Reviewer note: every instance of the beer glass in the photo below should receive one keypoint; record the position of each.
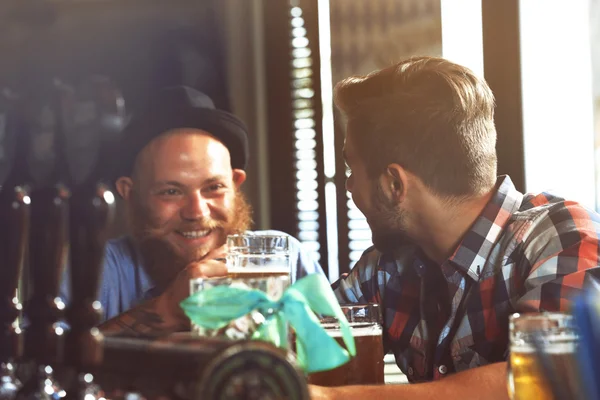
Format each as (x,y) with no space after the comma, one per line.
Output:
(367,366)
(551,338)
(243,327)
(255,255)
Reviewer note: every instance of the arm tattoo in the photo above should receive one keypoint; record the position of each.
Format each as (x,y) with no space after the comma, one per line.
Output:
(141,321)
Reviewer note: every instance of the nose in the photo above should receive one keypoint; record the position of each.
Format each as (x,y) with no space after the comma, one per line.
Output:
(196,207)
(349,183)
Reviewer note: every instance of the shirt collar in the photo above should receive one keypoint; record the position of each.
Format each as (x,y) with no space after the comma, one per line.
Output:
(473,251)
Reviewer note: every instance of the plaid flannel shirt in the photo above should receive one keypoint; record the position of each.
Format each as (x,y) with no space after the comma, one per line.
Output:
(524,253)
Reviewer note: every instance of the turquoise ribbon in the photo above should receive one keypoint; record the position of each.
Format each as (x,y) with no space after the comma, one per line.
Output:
(216,307)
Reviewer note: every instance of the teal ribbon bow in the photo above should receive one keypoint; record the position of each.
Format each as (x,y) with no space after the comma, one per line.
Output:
(216,307)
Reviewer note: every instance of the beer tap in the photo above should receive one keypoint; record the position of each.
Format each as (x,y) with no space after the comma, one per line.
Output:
(14,226)
(91,209)
(48,241)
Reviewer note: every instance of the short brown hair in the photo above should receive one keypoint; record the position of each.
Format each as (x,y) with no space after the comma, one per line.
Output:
(432,116)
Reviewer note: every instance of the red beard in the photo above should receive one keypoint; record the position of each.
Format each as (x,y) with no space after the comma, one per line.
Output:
(160,260)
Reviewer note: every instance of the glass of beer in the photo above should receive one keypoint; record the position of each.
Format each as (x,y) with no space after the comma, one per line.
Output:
(253,255)
(367,366)
(547,337)
(243,327)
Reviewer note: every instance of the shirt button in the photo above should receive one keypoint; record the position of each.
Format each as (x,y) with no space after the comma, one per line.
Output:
(443,369)
(410,371)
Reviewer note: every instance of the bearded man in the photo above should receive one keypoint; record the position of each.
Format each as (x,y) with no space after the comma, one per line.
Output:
(457,249)
(181,165)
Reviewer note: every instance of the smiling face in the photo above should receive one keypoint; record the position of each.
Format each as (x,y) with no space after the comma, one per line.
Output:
(183,200)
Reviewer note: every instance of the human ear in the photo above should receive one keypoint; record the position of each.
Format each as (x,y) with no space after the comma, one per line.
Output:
(397,180)
(239,177)
(124,187)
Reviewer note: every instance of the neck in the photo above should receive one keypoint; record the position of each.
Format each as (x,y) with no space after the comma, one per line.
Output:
(441,226)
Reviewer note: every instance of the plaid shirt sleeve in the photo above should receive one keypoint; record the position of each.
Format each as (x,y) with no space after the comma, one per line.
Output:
(365,283)
(359,286)
(562,253)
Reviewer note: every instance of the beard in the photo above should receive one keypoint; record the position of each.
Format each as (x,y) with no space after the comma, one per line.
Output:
(161,260)
(388,223)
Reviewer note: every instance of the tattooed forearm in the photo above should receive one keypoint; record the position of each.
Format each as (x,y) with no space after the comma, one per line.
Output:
(142,321)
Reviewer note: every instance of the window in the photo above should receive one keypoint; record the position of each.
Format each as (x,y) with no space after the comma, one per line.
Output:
(305,135)
(366,36)
(310,46)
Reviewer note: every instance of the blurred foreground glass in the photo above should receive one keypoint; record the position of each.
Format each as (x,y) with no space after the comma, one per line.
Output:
(550,338)
(367,367)
(253,255)
(244,327)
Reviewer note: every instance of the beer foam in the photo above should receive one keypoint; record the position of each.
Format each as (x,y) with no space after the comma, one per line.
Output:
(558,348)
(275,269)
(357,331)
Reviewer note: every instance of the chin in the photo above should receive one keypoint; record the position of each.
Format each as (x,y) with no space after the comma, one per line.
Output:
(194,253)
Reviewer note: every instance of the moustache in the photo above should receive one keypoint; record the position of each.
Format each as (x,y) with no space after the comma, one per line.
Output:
(204,225)
(149,232)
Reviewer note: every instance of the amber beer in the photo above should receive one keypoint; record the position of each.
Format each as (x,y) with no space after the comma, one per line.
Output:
(364,369)
(272,280)
(257,272)
(253,255)
(558,341)
(528,379)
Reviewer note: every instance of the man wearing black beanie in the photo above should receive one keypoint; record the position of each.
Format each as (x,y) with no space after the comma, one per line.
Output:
(178,168)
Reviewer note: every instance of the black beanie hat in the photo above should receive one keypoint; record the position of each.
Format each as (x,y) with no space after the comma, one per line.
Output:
(176,108)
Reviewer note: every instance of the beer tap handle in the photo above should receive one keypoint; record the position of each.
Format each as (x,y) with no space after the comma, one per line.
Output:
(48,235)
(91,210)
(48,245)
(14,225)
(14,230)
(92,207)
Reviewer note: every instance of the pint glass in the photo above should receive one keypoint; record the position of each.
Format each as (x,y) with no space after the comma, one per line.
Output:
(555,336)
(367,367)
(254,255)
(243,327)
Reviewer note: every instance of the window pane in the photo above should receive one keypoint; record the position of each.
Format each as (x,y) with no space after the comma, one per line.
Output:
(367,35)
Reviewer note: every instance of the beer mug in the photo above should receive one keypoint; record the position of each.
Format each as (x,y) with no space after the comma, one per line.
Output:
(551,338)
(244,327)
(367,366)
(256,255)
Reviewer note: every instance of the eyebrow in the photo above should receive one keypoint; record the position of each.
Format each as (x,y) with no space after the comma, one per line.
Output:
(214,179)
(208,181)
(169,183)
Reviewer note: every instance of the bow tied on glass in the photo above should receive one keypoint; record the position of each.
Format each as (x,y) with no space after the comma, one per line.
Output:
(216,307)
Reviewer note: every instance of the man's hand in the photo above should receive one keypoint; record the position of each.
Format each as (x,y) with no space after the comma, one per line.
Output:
(168,302)
(322,393)
(163,315)
(488,382)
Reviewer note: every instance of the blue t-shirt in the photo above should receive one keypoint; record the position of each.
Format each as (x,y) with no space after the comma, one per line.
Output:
(125,283)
